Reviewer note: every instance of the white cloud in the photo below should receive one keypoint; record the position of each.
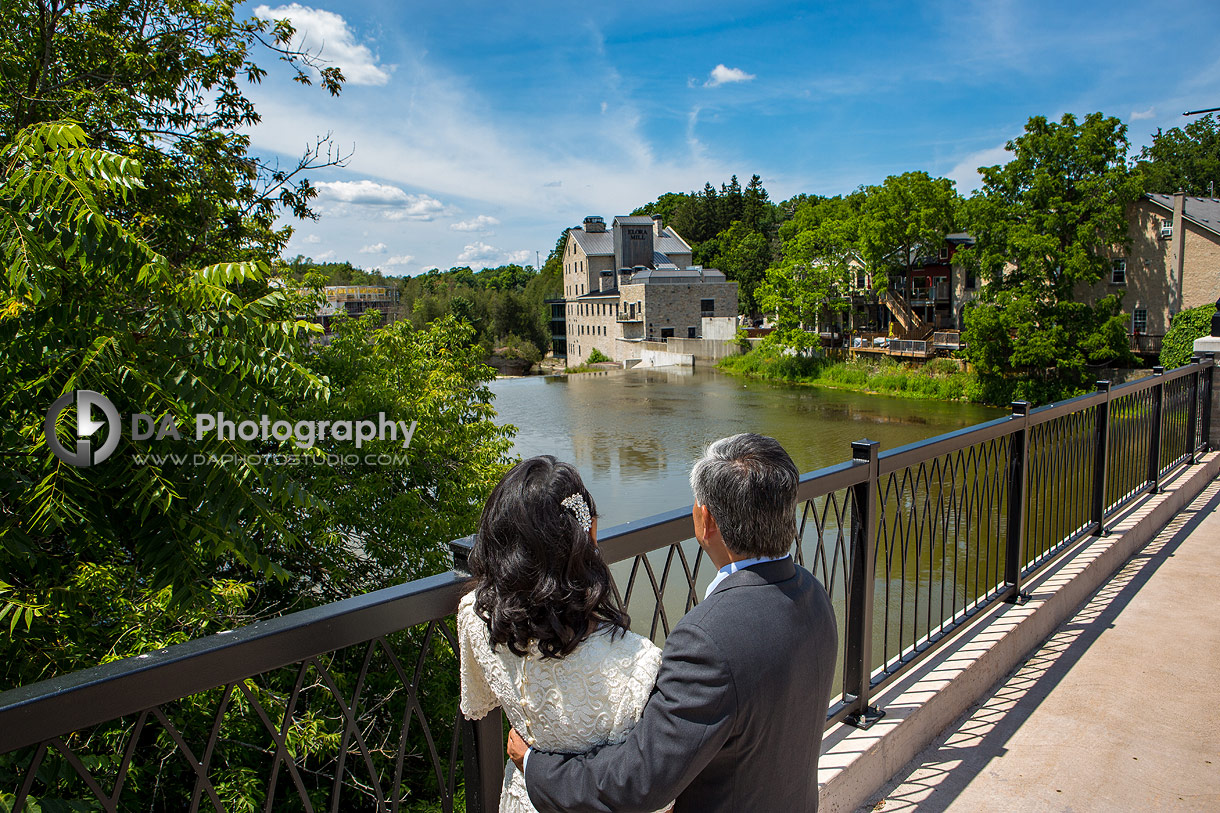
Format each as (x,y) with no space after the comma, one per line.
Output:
(480,252)
(966,173)
(1136,115)
(399,204)
(327,36)
(399,259)
(721,75)
(312,239)
(519,257)
(364,192)
(325,255)
(376,248)
(481,223)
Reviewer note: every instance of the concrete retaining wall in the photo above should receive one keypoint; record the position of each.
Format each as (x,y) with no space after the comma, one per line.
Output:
(705,349)
(855,764)
(664,358)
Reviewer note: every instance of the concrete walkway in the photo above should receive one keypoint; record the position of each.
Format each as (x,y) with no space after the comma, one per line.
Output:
(1119,710)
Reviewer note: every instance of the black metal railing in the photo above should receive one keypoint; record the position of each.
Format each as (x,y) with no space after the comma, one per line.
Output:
(354,705)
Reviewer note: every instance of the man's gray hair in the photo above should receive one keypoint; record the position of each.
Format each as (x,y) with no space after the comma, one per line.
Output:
(748,483)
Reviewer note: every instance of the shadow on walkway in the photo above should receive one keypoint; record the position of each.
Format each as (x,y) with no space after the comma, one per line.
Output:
(938,775)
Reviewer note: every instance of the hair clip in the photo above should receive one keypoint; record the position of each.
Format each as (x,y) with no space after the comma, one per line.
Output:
(576,504)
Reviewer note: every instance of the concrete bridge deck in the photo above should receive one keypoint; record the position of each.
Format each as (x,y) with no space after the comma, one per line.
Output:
(1119,710)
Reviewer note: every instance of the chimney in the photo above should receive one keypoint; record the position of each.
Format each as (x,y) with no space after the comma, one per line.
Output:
(606,281)
(657,226)
(595,224)
(1176,251)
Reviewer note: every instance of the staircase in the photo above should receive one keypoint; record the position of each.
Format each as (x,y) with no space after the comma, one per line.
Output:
(913,327)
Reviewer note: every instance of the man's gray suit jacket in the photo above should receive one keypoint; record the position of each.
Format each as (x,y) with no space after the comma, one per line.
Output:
(735,721)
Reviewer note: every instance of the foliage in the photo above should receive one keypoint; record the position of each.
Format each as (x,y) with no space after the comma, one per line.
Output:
(501,302)
(160,81)
(596,357)
(904,220)
(1046,225)
(1183,159)
(408,502)
(87,305)
(729,229)
(939,379)
(172,539)
(1179,343)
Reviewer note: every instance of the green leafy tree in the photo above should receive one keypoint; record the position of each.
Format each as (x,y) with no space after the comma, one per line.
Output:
(88,305)
(1179,344)
(1183,159)
(162,81)
(743,255)
(904,220)
(1046,225)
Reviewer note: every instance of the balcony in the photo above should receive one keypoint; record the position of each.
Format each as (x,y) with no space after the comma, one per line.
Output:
(631,315)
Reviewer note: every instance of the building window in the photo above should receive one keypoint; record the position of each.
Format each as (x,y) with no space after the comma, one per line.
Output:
(972,280)
(860,280)
(944,252)
(1139,321)
(690,333)
(667,333)
(1118,273)
(707,307)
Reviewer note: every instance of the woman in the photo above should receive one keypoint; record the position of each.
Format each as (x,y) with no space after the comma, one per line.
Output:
(542,634)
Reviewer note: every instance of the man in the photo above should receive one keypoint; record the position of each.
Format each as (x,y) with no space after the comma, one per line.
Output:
(735,721)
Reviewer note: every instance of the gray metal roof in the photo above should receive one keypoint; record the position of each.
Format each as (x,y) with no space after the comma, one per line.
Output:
(594,245)
(634,220)
(601,244)
(676,275)
(1203,211)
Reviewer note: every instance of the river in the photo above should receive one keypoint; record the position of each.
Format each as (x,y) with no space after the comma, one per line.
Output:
(634,434)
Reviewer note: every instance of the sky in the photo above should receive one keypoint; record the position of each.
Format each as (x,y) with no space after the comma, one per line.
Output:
(478,132)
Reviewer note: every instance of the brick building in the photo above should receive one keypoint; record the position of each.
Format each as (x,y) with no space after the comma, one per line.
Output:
(635,282)
(1173,263)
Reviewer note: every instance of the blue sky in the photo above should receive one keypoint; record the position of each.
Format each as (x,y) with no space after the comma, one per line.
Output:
(480,131)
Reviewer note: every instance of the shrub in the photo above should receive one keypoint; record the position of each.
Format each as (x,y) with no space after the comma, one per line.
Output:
(596,356)
(1187,326)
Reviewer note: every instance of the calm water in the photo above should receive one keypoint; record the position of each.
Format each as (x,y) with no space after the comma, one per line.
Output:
(634,434)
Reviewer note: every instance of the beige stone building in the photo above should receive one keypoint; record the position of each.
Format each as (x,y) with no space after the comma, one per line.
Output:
(1173,264)
(635,282)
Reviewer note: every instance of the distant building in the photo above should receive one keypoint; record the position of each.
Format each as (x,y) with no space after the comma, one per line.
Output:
(635,282)
(1173,264)
(354,300)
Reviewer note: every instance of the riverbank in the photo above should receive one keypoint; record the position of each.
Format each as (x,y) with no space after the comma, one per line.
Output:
(937,380)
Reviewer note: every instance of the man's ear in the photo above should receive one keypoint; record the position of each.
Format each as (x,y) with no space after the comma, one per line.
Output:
(710,529)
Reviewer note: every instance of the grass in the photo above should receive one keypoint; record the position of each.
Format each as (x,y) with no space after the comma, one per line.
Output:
(938,379)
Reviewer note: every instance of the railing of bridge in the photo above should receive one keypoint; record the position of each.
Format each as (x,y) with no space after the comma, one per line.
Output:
(353,705)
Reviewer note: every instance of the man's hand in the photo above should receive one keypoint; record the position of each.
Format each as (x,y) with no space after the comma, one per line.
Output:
(516,749)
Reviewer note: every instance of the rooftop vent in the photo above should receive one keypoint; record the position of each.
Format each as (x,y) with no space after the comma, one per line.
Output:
(595,224)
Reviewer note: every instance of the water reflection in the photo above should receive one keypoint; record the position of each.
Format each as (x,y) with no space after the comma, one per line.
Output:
(634,434)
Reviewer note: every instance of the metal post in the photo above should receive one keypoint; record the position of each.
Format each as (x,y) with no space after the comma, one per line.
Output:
(1154,441)
(1192,436)
(1102,438)
(860,589)
(1209,383)
(1018,454)
(483,762)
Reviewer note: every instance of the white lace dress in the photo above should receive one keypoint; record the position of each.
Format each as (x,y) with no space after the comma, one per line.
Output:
(592,697)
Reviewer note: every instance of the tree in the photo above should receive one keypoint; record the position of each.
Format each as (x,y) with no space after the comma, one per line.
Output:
(1183,160)
(1179,344)
(86,304)
(161,81)
(903,220)
(1046,225)
(743,254)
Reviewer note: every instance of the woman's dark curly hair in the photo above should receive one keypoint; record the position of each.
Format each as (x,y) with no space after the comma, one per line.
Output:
(538,574)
